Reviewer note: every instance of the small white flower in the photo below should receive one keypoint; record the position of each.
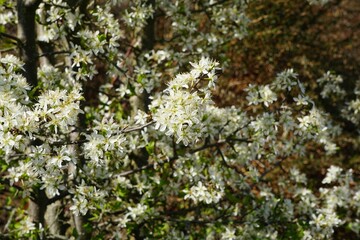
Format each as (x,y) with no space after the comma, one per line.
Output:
(12,62)
(135,212)
(267,96)
(26,226)
(229,234)
(332,174)
(302,100)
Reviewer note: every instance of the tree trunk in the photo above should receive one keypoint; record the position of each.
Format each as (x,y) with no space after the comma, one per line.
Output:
(37,207)
(148,43)
(28,52)
(27,34)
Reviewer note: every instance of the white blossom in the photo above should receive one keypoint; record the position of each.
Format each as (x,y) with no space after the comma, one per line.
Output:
(332,174)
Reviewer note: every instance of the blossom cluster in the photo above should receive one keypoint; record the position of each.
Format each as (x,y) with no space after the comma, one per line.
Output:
(180,111)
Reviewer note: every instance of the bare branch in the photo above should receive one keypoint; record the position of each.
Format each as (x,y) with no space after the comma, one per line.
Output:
(127,130)
(19,43)
(58,197)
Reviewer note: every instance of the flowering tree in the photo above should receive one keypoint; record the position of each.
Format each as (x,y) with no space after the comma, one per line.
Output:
(108,128)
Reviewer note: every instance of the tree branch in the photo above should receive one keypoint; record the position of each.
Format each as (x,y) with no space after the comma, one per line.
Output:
(58,197)
(205,146)
(19,43)
(127,130)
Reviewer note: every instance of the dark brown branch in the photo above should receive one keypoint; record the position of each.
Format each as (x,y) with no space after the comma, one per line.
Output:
(53,53)
(205,146)
(275,166)
(7,183)
(19,43)
(226,164)
(57,197)
(136,170)
(127,130)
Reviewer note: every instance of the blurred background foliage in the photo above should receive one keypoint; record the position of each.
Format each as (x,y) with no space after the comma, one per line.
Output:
(293,34)
(312,40)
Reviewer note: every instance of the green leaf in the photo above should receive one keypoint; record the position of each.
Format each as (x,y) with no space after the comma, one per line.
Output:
(102,37)
(140,78)
(150,147)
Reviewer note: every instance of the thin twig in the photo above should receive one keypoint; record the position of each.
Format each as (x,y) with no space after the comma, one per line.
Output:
(9,220)
(205,146)
(127,130)
(53,53)
(226,164)
(275,166)
(58,197)
(136,170)
(17,40)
